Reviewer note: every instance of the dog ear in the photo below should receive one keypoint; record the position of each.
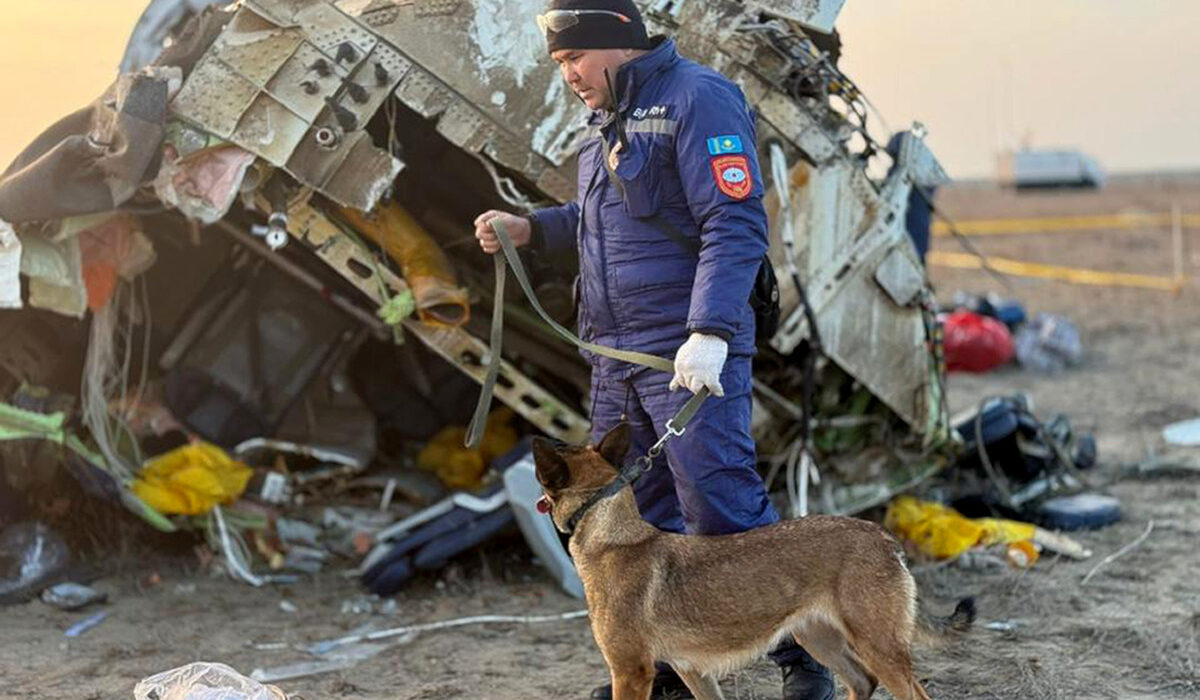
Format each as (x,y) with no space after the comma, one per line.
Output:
(552,470)
(615,445)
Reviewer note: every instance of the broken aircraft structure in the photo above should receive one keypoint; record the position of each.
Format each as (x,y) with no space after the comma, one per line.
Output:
(306,173)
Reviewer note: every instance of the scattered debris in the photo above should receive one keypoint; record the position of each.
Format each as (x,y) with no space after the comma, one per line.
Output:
(31,556)
(1048,343)
(1182,462)
(1023,553)
(1012,461)
(72,596)
(976,343)
(1183,434)
(364,605)
(1010,312)
(1003,625)
(79,628)
(1079,511)
(1061,544)
(426,540)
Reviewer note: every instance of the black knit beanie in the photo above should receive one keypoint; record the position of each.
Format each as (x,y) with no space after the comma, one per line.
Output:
(600,31)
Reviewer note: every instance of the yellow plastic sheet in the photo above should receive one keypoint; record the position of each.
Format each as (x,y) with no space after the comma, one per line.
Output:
(943,533)
(462,468)
(191,480)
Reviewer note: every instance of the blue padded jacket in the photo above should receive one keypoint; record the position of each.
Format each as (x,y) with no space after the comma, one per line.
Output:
(691,160)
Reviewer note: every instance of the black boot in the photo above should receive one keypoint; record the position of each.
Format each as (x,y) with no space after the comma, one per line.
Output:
(667,686)
(805,679)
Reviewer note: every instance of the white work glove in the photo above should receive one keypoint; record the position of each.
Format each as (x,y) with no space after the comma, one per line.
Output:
(699,362)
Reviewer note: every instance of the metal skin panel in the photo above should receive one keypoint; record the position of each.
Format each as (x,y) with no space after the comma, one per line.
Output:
(255,47)
(849,233)
(295,82)
(901,277)
(815,14)
(215,97)
(270,130)
(922,166)
(294,72)
(490,54)
(377,76)
(330,29)
(358,180)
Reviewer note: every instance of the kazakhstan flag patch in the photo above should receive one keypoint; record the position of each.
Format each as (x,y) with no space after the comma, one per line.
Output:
(724,145)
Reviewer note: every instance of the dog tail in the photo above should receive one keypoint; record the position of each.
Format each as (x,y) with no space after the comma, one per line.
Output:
(933,630)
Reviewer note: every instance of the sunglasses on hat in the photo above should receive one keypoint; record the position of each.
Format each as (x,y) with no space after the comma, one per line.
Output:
(558,20)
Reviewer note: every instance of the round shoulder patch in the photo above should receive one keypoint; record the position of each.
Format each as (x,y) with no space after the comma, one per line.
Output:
(732,174)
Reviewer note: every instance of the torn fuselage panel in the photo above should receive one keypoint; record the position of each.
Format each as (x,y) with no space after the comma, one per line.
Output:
(295,84)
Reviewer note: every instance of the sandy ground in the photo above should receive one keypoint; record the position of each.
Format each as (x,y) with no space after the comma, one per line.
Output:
(1132,632)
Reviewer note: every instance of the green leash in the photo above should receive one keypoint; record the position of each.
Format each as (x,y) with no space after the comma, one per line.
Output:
(675,427)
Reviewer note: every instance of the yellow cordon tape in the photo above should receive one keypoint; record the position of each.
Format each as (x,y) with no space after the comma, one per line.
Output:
(1074,275)
(1061,224)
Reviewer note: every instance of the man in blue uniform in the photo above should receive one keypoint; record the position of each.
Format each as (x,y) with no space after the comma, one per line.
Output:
(671,144)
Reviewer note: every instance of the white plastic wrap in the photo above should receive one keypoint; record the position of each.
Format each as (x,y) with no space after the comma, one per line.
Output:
(204,681)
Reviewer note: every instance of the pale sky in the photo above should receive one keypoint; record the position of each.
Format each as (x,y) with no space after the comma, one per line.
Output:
(1116,78)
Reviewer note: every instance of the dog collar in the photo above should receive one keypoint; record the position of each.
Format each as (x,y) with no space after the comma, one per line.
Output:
(631,473)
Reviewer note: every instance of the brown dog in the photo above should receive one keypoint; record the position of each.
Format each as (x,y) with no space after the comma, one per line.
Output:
(709,605)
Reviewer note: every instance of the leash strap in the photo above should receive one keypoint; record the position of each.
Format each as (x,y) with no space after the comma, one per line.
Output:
(479,420)
(475,431)
(676,427)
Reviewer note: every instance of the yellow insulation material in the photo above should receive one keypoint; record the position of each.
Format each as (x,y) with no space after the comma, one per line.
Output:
(423,263)
(461,468)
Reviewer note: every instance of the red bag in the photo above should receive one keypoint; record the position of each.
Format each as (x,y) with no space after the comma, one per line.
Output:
(976,343)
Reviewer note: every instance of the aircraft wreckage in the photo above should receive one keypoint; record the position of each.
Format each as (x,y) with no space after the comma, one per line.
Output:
(271,218)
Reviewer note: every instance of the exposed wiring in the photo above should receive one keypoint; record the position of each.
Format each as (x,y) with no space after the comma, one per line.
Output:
(505,187)
(801,469)
(237,554)
(966,243)
(985,460)
(1119,553)
(106,375)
